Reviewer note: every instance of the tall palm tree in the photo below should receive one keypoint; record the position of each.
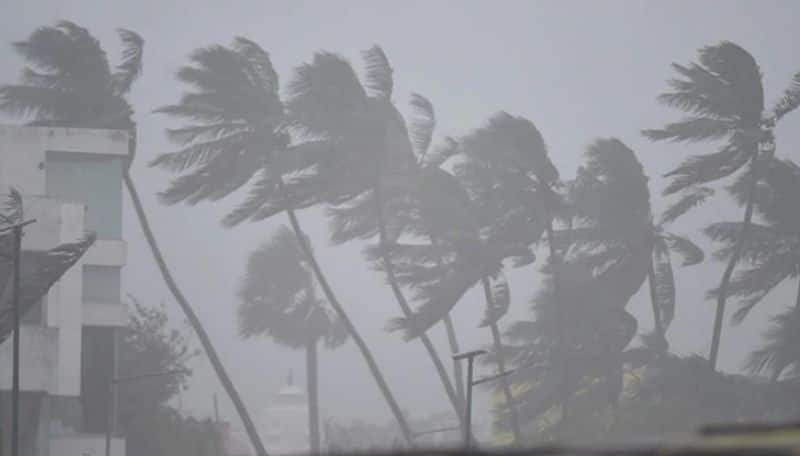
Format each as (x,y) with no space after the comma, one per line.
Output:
(495,209)
(239,131)
(613,229)
(70,83)
(772,256)
(773,252)
(724,98)
(279,300)
(372,158)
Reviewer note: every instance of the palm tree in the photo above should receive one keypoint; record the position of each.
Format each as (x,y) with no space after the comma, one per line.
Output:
(279,300)
(724,97)
(496,209)
(240,131)
(70,83)
(366,174)
(773,256)
(614,233)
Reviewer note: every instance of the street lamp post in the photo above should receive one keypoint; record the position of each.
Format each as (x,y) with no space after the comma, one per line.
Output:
(470,357)
(15,315)
(111,405)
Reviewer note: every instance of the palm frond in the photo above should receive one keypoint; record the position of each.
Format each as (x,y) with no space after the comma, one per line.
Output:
(692,254)
(790,100)
(692,129)
(755,283)
(260,62)
(200,153)
(132,56)
(378,78)
(325,97)
(701,169)
(691,198)
(781,348)
(422,125)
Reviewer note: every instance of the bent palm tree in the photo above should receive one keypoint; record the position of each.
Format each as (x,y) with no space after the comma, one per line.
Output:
(614,233)
(279,300)
(70,83)
(724,97)
(239,130)
(773,256)
(372,159)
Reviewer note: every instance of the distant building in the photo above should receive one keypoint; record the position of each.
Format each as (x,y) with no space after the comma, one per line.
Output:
(285,424)
(71,181)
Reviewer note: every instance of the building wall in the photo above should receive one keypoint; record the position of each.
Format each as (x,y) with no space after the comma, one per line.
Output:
(71,182)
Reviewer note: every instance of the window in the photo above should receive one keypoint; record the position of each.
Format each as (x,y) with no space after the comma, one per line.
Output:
(101,284)
(92,179)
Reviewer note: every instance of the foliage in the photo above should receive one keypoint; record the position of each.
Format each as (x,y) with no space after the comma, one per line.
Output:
(150,425)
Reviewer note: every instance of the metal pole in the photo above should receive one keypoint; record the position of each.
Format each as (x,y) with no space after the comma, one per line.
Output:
(16,317)
(470,356)
(109,416)
(110,406)
(468,417)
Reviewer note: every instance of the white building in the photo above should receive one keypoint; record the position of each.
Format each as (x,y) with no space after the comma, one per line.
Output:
(71,181)
(285,423)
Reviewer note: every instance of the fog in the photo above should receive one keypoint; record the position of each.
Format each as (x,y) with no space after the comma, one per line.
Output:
(578,70)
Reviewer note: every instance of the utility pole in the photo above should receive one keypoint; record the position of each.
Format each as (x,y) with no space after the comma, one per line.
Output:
(15,311)
(470,357)
(111,410)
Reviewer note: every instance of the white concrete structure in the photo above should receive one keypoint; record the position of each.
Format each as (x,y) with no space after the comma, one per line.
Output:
(285,423)
(71,182)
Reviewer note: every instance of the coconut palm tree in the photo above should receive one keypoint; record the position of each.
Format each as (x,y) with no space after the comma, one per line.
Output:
(773,252)
(366,176)
(239,131)
(723,96)
(492,211)
(70,83)
(613,229)
(279,300)
(772,256)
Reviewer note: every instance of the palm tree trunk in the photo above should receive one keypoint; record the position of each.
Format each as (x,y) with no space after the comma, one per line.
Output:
(313,396)
(458,372)
(555,263)
(651,280)
(501,366)
(401,300)
(351,329)
(722,296)
(194,321)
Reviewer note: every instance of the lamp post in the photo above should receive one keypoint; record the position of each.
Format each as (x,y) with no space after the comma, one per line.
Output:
(470,357)
(15,315)
(111,405)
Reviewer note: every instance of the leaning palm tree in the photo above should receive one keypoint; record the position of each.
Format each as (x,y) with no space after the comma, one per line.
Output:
(494,209)
(772,256)
(773,252)
(238,130)
(724,97)
(614,233)
(367,171)
(70,83)
(279,300)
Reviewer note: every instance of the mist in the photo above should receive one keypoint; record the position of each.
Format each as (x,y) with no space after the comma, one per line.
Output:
(577,71)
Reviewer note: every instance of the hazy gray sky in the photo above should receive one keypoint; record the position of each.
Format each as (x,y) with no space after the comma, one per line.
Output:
(578,69)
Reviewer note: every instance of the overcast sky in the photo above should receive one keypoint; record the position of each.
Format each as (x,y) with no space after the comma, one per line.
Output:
(578,69)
